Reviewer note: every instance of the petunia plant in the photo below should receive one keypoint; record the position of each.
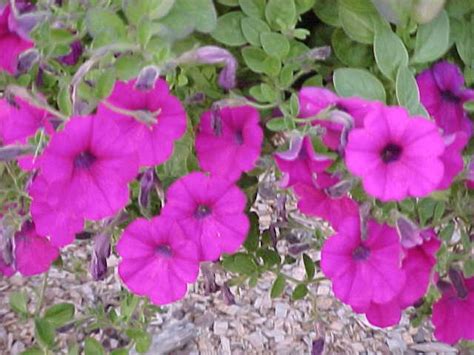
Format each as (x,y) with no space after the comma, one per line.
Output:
(149,129)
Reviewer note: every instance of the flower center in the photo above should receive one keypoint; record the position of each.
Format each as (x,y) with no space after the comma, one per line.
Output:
(164,251)
(391,152)
(202,211)
(449,96)
(84,160)
(361,253)
(239,138)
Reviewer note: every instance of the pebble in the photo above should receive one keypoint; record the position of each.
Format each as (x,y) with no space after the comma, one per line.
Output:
(281,310)
(220,328)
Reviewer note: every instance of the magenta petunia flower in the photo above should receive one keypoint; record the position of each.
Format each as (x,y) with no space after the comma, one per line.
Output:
(158,259)
(453,313)
(210,209)
(5,269)
(314,201)
(452,157)
(11,43)
(89,164)
(231,143)
(442,92)
(363,271)
(153,141)
(51,214)
(300,163)
(396,156)
(34,254)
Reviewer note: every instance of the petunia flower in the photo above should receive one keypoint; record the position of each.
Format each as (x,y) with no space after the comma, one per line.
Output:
(363,271)
(50,212)
(300,163)
(89,164)
(396,156)
(442,92)
(234,146)
(210,210)
(11,43)
(153,141)
(158,259)
(34,254)
(74,54)
(453,313)
(452,157)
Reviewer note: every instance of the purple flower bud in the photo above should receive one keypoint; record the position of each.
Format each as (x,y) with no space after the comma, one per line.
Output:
(319,53)
(147,182)
(457,279)
(74,54)
(340,189)
(216,120)
(210,285)
(317,347)
(297,249)
(147,78)
(27,60)
(12,152)
(100,253)
(227,75)
(364,214)
(23,24)
(273,235)
(197,98)
(6,245)
(425,11)
(410,234)
(227,295)
(281,207)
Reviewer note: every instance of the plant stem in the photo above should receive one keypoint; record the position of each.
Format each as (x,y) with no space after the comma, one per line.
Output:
(41,295)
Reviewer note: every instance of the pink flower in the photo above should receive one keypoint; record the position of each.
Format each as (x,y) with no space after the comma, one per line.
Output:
(314,201)
(51,214)
(153,141)
(452,157)
(395,155)
(363,271)
(442,92)
(5,269)
(300,163)
(11,43)
(89,165)
(34,254)
(453,314)
(210,211)
(231,147)
(158,260)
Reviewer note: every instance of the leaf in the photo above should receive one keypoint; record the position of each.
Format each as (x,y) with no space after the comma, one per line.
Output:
(252,28)
(349,52)
(253,8)
(19,302)
(128,66)
(44,333)
(328,12)
(269,257)
(278,286)
(105,84)
(299,292)
(33,351)
(93,347)
(59,314)
(64,100)
(121,351)
(254,58)
(105,24)
(469,268)
(228,30)
(465,44)
(432,39)
(390,52)
(252,240)
(240,263)
(275,44)
(281,14)
(309,266)
(407,92)
(358,82)
(277,124)
(141,338)
(304,5)
(358,19)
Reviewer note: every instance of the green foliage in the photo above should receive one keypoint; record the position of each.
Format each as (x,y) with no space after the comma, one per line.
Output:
(59,314)
(228,30)
(358,82)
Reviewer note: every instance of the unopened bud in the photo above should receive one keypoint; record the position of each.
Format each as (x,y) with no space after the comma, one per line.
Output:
(339,189)
(410,234)
(394,11)
(227,295)
(317,347)
(74,54)
(147,78)
(12,152)
(216,120)
(100,253)
(319,53)
(425,11)
(23,24)
(210,285)
(147,182)
(27,60)
(457,279)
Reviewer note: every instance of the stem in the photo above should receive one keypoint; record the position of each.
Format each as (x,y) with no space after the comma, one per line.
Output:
(140,115)
(41,295)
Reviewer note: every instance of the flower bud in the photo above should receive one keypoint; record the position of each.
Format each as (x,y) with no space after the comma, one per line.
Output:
(12,152)
(317,346)
(27,60)
(147,78)
(227,295)
(23,24)
(339,189)
(210,285)
(319,53)
(216,120)
(394,11)
(457,279)
(425,11)
(74,54)
(410,234)
(100,253)
(147,182)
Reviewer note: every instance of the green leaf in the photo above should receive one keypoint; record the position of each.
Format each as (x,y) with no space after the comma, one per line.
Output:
(253,8)
(252,28)
(128,66)
(269,93)
(299,292)
(228,30)
(269,257)
(256,92)
(469,106)
(277,124)
(73,349)
(240,263)
(252,240)
(59,314)
(33,351)
(254,58)
(309,266)
(469,268)
(61,36)
(426,208)
(349,52)
(64,100)
(390,52)
(281,14)
(303,6)
(358,82)
(105,24)
(44,333)
(286,76)
(465,44)
(407,92)
(432,39)
(358,18)
(105,84)
(278,286)
(328,12)
(19,302)
(121,351)
(141,338)
(275,44)
(93,347)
